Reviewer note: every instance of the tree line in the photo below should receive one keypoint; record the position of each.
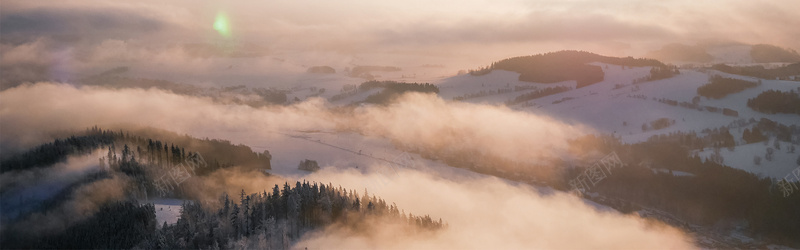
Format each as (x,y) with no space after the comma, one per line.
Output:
(273,220)
(267,220)
(144,149)
(776,101)
(392,90)
(787,72)
(116,225)
(719,87)
(538,94)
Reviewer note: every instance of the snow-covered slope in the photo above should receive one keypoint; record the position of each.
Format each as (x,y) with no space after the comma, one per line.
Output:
(743,157)
(496,87)
(616,106)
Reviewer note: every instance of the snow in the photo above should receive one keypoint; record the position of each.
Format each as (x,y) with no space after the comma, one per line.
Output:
(343,150)
(610,109)
(674,172)
(167,210)
(742,158)
(605,108)
(327,148)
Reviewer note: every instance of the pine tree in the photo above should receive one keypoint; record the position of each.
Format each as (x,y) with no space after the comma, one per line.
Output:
(235,222)
(126,152)
(245,201)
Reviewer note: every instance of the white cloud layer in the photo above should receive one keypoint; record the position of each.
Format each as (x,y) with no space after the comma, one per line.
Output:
(488,213)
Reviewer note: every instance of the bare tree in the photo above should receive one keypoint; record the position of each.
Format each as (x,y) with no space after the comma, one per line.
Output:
(770,153)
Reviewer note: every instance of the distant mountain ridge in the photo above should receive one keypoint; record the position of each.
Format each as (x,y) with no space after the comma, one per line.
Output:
(724,53)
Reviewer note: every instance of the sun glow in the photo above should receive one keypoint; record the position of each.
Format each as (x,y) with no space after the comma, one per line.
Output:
(222,25)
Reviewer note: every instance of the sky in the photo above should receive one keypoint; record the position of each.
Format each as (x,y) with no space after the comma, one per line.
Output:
(477,30)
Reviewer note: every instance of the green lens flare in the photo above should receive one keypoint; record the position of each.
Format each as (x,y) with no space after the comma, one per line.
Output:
(221,25)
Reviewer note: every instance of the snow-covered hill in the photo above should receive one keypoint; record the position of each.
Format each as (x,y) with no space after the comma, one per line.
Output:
(616,106)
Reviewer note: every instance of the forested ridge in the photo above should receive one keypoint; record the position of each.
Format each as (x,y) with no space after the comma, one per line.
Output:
(390,90)
(141,147)
(57,151)
(563,66)
(274,220)
(116,225)
(151,167)
(267,220)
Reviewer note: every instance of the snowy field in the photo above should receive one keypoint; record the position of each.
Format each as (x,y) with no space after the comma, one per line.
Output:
(167,210)
(742,157)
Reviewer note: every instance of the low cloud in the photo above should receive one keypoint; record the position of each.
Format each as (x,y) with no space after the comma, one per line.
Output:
(27,122)
(416,120)
(231,181)
(428,122)
(489,213)
(62,173)
(81,204)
